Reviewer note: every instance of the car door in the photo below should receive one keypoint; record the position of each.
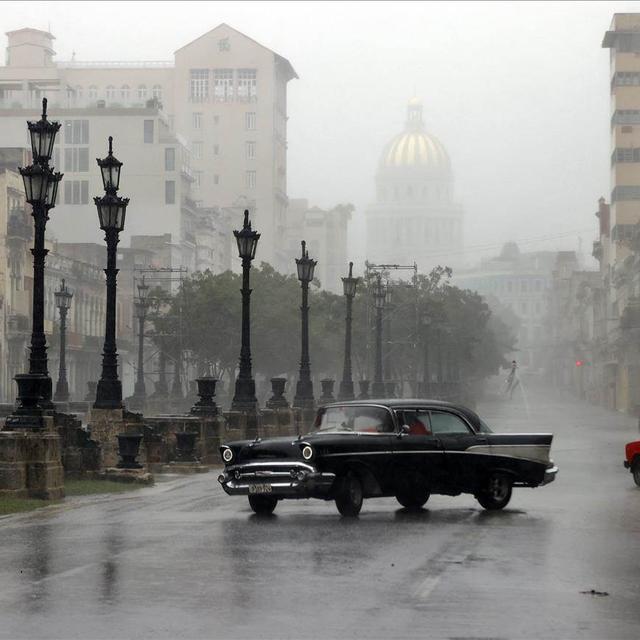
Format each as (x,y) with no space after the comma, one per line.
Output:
(456,436)
(417,448)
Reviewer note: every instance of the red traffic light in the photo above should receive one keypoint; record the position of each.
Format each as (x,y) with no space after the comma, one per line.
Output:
(579,363)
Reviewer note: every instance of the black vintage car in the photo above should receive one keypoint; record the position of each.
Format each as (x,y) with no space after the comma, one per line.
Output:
(403,448)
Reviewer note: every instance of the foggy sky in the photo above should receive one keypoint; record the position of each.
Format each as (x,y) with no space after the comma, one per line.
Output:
(517,92)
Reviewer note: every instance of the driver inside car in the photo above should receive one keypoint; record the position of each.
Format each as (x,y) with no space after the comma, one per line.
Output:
(417,423)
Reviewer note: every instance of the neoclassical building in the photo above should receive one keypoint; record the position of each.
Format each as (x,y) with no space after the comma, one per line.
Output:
(414,218)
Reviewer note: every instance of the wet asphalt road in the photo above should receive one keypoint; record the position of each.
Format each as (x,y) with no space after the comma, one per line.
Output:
(183,560)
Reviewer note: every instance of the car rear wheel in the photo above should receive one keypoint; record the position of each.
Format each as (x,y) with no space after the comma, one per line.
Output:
(263,505)
(635,470)
(412,491)
(496,492)
(349,494)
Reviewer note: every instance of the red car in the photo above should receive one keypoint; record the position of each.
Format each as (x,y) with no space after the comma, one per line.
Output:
(632,452)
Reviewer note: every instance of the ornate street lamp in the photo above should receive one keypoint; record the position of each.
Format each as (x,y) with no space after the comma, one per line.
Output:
(349,285)
(304,389)
(63,302)
(379,294)
(244,398)
(41,190)
(140,307)
(111,213)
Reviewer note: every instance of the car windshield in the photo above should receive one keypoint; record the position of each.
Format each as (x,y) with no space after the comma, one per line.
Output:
(354,418)
(484,427)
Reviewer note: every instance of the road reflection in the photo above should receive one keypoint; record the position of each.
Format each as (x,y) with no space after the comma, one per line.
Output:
(112,546)
(37,566)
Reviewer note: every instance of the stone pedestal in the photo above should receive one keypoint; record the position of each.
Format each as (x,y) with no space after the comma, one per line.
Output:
(304,420)
(242,425)
(184,468)
(30,463)
(105,425)
(277,422)
(13,464)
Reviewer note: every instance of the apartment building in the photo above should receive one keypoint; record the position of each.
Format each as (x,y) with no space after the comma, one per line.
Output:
(198,134)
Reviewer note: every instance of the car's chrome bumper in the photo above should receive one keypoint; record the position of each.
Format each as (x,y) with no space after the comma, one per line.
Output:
(281,479)
(550,474)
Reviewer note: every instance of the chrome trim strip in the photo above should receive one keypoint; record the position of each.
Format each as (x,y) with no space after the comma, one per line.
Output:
(293,464)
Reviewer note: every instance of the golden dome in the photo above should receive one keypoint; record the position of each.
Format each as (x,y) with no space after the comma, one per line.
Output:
(415,148)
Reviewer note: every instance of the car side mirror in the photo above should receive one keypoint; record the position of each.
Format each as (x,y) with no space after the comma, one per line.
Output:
(405,430)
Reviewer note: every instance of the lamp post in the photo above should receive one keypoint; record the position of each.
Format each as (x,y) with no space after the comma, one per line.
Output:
(244,398)
(379,294)
(388,307)
(140,312)
(41,189)
(304,389)
(111,213)
(349,285)
(63,302)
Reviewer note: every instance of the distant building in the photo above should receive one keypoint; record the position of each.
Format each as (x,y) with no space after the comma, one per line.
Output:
(414,217)
(520,282)
(196,135)
(325,232)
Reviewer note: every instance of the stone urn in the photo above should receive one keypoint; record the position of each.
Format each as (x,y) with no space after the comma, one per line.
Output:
(390,389)
(327,390)
(206,391)
(277,399)
(128,449)
(185,446)
(364,390)
(92,388)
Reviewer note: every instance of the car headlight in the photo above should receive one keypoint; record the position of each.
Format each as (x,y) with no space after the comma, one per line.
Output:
(227,454)
(307,452)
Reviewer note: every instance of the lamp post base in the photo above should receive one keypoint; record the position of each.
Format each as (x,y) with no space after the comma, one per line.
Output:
(346,390)
(108,395)
(378,390)
(244,399)
(304,395)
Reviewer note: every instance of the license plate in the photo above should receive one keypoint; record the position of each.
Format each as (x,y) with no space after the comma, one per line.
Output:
(260,488)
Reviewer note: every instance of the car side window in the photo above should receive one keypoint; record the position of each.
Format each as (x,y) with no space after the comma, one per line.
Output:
(418,422)
(373,421)
(442,422)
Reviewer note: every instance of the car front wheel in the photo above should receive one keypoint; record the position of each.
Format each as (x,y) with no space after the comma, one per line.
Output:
(496,492)
(348,494)
(263,505)
(635,470)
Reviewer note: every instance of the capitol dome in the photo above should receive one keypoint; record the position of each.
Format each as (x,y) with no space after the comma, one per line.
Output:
(415,149)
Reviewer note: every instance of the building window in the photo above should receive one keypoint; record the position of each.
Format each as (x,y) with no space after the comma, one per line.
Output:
(148,131)
(76,159)
(169,192)
(216,178)
(199,85)
(197,179)
(525,286)
(625,116)
(625,193)
(216,149)
(78,92)
(625,79)
(250,150)
(197,150)
(142,92)
(250,179)
(169,159)
(250,120)
(125,91)
(223,85)
(156,92)
(93,92)
(111,92)
(247,85)
(628,154)
(76,191)
(76,132)
(197,120)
